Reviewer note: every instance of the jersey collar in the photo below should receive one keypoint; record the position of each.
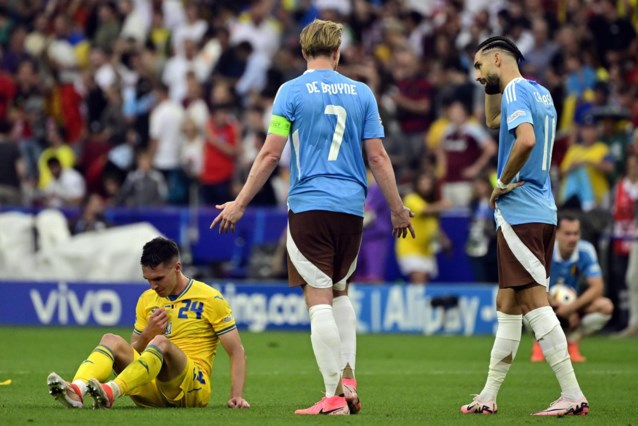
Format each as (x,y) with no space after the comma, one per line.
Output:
(514,81)
(558,258)
(183,292)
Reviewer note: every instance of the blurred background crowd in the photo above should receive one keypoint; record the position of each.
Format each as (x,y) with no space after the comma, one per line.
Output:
(138,103)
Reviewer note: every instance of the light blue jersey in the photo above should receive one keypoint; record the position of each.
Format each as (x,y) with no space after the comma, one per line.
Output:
(525,101)
(582,264)
(330,116)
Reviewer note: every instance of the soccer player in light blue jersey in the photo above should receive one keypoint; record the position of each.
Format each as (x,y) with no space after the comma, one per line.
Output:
(330,121)
(525,215)
(575,264)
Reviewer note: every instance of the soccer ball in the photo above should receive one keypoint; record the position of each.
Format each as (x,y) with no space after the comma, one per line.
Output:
(562,294)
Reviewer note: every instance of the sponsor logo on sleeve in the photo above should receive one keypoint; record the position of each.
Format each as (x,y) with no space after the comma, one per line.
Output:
(516,114)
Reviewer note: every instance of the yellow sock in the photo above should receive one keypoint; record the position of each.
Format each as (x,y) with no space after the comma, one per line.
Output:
(98,365)
(141,371)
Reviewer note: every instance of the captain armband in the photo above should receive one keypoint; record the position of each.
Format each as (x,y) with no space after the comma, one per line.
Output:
(279,126)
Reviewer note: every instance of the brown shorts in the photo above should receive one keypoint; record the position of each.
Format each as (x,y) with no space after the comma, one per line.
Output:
(322,248)
(525,257)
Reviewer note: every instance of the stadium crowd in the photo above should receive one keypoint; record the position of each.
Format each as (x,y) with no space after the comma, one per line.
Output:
(166,102)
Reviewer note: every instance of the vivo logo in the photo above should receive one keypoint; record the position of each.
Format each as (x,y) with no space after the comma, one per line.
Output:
(103,305)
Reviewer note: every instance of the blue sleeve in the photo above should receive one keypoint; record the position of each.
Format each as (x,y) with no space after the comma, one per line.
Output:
(590,266)
(372,127)
(283,104)
(517,106)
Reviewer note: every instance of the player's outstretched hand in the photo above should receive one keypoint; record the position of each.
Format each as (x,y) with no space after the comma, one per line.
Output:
(401,223)
(497,192)
(238,402)
(228,217)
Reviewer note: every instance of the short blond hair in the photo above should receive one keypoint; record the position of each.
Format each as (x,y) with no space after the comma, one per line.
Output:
(320,38)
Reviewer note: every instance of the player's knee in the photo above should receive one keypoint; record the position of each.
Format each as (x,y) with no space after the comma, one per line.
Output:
(161,342)
(113,341)
(604,306)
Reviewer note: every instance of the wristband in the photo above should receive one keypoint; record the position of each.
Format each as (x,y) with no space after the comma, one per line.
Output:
(500,184)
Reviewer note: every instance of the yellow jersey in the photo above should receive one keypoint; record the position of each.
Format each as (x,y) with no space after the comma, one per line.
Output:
(197,317)
(425,227)
(596,153)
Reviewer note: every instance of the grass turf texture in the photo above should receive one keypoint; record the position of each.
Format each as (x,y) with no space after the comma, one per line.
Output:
(403,379)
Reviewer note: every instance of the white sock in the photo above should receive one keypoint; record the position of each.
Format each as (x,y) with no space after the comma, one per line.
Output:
(552,339)
(115,388)
(326,345)
(346,320)
(81,384)
(589,324)
(508,337)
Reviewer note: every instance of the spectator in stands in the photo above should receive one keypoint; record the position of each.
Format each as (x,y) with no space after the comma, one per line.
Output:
(612,35)
(112,120)
(159,37)
(35,42)
(481,239)
(58,149)
(412,98)
(586,168)
(139,97)
(257,27)
(178,67)
(8,90)
(626,243)
(108,28)
(192,157)
(538,59)
(464,152)
(196,108)
(134,24)
(11,168)
(28,116)
(375,246)
(221,149)
(92,216)
(616,136)
(166,143)
(232,63)
(15,51)
(193,28)
(417,257)
(144,186)
(66,187)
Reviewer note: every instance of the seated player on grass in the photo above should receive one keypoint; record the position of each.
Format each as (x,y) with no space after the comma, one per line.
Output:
(168,363)
(575,264)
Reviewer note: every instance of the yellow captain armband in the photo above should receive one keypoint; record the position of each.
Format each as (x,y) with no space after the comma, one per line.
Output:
(279,126)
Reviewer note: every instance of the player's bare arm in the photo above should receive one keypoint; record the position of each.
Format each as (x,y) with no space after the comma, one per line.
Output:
(384,174)
(156,324)
(595,290)
(232,345)
(525,141)
(265,163)
(493,110)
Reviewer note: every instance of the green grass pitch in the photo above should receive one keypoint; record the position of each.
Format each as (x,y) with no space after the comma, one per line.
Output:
(403,380)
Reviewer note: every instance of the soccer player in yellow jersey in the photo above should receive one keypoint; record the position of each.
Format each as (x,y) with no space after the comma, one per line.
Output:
(179,323)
